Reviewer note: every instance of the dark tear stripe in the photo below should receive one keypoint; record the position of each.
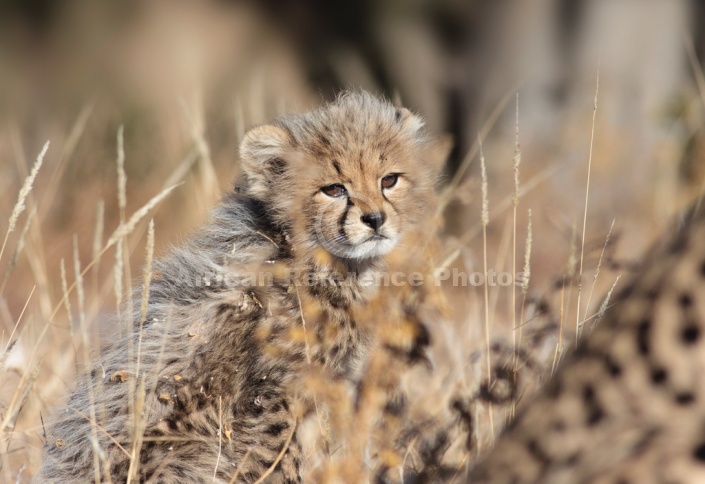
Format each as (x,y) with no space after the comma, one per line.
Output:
(341,220)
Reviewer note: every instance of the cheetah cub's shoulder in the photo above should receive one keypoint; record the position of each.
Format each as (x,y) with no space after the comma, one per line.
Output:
(270,288)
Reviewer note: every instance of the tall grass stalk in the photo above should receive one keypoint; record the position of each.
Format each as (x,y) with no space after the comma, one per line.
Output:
(69,313)
(587,196)
(597,272)
(606,302)
(22,197)
(98,239)
(145,291)
(80,296)
(10,342)
(515,203)
(15,257)
(485,221)
(524,290)
(119,268)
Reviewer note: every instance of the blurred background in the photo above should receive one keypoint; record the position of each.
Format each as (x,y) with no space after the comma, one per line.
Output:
(187,79)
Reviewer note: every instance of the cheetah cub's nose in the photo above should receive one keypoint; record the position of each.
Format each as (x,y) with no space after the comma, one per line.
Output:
(374,220)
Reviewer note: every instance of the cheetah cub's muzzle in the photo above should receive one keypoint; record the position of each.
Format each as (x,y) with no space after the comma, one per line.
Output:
(363,229)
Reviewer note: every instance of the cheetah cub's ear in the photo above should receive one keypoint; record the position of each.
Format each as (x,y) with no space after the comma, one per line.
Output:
(262,154)
(436,150)
(411,123)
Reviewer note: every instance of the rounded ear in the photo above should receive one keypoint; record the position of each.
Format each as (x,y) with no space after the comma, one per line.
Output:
(410,122)
(262,154)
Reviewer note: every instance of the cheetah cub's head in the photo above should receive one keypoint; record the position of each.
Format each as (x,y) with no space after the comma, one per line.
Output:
(352,177)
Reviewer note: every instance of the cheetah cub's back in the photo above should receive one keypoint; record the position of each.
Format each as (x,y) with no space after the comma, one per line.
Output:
(271,291)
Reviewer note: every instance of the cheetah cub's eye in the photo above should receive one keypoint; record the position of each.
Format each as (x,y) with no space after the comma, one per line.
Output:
(390,180)
(334,191)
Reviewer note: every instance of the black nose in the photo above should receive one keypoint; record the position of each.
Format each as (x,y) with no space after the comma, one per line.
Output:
(374,220)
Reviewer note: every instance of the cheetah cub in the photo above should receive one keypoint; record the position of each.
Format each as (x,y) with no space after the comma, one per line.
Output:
(205,388)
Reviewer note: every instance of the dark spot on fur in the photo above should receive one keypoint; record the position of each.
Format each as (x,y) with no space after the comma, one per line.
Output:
(277,167)
(642,336)
(627,291)
(685,300)
(614,368)
(573,459)
(581,351)
(276,429)
(395,405)
(699,452)
(690,334)
(336,165)
(685,398)
(171,423)
(397,115)
(323,140)
(537,453)
(679,245)
(266,463)
(658,376)
(120,468)
(595,413)
(554,388)
(272,392)
(250,476)
(201,401)
(558,426)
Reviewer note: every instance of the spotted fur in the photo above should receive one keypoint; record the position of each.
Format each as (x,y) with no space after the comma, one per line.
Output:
(628,406)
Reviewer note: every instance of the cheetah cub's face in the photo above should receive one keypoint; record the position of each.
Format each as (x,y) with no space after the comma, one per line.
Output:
(352,177)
